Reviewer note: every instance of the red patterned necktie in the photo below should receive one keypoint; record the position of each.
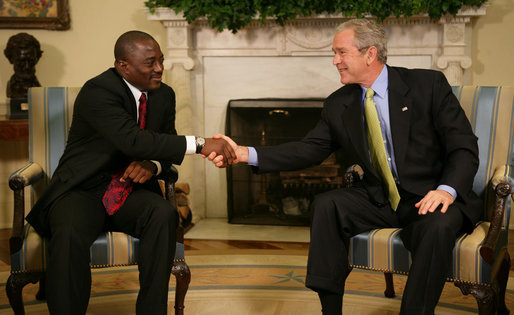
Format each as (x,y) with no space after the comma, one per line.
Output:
(117,191)
(142,111)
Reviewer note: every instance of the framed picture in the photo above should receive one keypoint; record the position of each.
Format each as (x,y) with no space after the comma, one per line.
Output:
(47,14)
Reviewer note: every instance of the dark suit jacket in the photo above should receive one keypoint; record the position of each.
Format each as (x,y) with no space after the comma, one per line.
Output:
(104,137)
(432,137)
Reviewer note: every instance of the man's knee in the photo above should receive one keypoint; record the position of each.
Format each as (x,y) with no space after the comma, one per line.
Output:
(439,230)
(164,213)
(444,224)
(334,205)
(323,205)
(76,214)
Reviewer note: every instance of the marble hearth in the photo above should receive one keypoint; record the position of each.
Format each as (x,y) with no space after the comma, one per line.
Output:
(207,69)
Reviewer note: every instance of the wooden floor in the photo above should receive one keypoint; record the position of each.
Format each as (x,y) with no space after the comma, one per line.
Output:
(193,245)
(203,247)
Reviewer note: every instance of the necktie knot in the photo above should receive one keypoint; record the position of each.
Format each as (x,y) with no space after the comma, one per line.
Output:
(370,93)
(142,98)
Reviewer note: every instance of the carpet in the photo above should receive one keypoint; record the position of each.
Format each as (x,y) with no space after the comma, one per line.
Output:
(251,283)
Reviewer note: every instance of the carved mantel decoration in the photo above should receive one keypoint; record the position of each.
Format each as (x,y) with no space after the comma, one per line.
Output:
(315,33)
(207,69)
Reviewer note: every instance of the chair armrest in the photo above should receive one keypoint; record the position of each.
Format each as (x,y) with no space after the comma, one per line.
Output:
(170,177)
(17,181)
(502,187)
(501,175)
(25,176)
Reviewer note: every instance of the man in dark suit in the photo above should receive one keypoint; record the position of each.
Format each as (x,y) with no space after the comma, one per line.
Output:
(122,136)
(429,154)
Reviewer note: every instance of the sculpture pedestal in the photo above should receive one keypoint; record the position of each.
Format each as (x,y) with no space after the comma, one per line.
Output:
(18,109)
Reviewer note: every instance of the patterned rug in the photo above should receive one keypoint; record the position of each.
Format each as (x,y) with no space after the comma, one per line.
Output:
(251,283)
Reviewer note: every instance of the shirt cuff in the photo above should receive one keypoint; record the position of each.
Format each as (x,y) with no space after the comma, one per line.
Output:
(159,167)
(191,144)
(252,157)
(449,190)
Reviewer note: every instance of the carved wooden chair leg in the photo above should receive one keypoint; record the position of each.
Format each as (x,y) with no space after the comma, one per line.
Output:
(14,288)
(485,295)
(183,276)
(389,291)
(41,293)
(502,278)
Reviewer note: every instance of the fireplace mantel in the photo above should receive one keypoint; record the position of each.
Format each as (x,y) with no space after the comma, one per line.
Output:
(313,35)
(208,68)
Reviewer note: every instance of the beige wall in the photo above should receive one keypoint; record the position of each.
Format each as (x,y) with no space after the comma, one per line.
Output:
(72,57)
(493,45)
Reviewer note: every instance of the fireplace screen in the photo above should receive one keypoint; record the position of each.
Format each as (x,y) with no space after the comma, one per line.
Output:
(280,198)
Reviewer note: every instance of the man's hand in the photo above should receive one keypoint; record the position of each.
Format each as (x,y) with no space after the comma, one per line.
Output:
(241,152)
(139,171)
(432,200)
(220,148)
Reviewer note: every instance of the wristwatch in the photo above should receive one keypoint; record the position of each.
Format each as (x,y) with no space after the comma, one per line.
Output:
(200,142)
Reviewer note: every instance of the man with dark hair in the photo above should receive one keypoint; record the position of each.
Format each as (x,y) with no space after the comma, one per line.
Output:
(408,132)
(23,51)
(121,137)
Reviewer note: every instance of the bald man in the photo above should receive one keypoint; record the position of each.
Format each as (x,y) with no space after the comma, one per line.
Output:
(122,135)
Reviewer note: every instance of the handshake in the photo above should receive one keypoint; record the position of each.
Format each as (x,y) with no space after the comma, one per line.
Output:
(223,151)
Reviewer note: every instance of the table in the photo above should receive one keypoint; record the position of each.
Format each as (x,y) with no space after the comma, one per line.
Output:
(14,129)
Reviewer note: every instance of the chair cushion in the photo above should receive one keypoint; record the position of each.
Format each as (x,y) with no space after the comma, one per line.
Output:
(383,250)
(109,249)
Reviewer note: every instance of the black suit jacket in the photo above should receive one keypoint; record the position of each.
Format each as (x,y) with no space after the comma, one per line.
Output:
(432,137)
(104,137)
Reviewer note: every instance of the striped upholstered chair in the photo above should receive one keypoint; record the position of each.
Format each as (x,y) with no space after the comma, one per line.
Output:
(481,262)
(50,114)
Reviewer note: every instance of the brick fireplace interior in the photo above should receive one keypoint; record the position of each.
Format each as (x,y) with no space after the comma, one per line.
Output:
(277,198)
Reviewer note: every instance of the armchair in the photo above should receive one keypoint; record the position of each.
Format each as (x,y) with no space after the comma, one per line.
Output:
(50,114)
(481,261)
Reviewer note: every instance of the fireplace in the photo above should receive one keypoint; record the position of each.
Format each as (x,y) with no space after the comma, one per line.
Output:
(207,69)
(278,198)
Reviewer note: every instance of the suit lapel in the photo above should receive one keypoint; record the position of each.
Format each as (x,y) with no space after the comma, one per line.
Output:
(130,103)
(353,121)
(399,112)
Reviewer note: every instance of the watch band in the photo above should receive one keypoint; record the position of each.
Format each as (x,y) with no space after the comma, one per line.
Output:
(200,143)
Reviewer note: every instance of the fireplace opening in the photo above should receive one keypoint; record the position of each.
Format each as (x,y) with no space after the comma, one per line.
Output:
(278,198)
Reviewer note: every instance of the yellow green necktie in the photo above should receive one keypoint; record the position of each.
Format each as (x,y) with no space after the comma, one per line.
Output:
(377,149)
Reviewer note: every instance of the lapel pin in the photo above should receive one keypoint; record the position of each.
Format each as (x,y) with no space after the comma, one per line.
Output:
(404,109)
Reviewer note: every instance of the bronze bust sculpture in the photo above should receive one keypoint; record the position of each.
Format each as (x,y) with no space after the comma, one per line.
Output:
(23,51)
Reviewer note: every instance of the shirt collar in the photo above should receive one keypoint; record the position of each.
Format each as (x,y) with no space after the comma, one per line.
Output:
(380,85)
(135,91)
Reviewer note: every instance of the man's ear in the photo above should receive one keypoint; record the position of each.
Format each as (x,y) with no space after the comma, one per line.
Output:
(121,65)
(371,54)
